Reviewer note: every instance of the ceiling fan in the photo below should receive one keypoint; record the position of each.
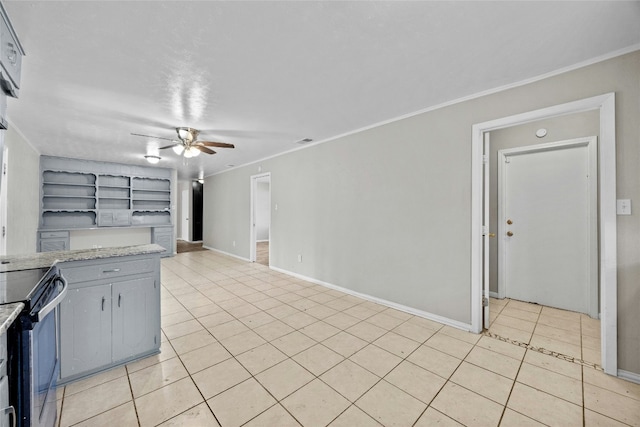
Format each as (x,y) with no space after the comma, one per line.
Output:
(188,143)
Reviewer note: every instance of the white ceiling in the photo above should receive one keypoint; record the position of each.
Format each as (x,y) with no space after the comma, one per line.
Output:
(262,75)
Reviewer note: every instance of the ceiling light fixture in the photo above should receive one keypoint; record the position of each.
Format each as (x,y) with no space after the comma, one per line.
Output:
(178,149)
(152,159)
(191,152)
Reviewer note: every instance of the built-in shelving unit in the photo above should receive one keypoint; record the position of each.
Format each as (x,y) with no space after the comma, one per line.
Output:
(151,200)
(82,194)
(68,197)
(114,192)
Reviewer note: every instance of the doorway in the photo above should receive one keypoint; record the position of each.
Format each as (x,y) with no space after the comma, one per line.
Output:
(547,227)
(260,219)
(185,230)
(605,106)
(196,211)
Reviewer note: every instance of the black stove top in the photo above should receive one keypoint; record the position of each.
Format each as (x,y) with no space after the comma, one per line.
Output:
(20,286)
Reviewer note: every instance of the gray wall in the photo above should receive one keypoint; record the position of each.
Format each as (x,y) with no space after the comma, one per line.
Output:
(558,129)
(387,211)
(22,193)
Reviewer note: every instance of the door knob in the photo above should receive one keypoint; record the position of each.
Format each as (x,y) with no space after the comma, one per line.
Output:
(509,233)
(509,222)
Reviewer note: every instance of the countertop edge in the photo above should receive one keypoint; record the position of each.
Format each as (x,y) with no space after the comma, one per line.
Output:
(47,259)
(8,314)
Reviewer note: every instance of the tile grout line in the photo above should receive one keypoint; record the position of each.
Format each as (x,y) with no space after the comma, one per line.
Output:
(133,398)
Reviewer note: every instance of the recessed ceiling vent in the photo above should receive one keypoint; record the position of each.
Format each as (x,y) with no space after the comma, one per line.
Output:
(304,141)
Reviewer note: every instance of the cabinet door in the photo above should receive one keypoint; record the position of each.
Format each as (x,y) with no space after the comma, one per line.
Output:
(85,330)
(136,317)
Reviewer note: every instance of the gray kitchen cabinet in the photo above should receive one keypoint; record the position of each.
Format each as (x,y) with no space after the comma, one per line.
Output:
(114,218)
(83,194)
(53,241)
(85,319)
(7,413)
(112,313)
(135,317)
(11,53)
(163,236)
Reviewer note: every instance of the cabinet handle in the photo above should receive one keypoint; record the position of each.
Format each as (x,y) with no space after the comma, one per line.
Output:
(119,299)
(102,303)
(113,270)
(12,55)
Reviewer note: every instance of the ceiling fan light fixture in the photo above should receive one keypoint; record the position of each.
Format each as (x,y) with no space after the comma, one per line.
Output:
(183,133)
(178,149)
(152,159)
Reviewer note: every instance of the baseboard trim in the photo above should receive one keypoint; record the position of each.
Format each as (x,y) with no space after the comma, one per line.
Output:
(391,304)
(629,376)
(262,241)
(493,294)
(226,253)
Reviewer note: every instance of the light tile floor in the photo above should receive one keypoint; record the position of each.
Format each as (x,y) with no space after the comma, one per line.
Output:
(244,345)
(573,334)
(262,253)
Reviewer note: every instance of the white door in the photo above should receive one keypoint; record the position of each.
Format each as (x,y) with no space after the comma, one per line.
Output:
(548,235)
(3,200)
(184,216)
(260,212)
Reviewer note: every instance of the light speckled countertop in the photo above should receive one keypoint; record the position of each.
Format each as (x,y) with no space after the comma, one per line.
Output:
(47,259)
(9,313)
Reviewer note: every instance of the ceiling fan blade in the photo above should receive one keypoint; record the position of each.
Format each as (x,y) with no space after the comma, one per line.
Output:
(215,144)
(169,146)
(150,136)
(204,149)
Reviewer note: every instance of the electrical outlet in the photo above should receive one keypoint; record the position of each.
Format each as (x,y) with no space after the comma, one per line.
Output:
(299,258)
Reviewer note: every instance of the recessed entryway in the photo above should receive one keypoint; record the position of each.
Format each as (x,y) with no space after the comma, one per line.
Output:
(260,222)
(605,106)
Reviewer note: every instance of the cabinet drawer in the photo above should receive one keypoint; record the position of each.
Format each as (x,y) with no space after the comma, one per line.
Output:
(51,245)
(107,271)
(54,234)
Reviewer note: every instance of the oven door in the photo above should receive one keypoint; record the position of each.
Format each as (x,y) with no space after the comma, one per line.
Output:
(44,370)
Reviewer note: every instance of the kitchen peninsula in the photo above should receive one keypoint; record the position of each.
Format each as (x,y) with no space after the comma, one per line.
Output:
(111,312)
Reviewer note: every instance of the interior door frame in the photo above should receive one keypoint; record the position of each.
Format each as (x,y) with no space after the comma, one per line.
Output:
(605,105)
(252,217)
(592,150)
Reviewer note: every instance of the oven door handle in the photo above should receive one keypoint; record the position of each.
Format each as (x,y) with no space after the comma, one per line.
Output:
(10,410)
(54,302)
